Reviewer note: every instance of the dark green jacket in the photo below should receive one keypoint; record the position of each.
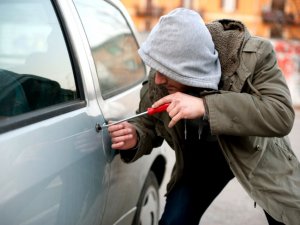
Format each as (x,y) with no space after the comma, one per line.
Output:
(251,115)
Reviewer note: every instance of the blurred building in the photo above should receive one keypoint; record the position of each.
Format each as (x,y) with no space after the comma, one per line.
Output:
(267,18)
(278,20)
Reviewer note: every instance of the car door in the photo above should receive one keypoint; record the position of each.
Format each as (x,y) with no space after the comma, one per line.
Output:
(53,167)
(119,72)
(118,69)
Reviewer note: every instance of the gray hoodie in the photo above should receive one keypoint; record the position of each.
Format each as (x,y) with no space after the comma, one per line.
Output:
(181,47)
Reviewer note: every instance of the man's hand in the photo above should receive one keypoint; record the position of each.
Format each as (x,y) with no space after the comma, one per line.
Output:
(182,106)
(123,136)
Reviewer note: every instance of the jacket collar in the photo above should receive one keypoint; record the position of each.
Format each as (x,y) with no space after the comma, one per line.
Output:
(229,37)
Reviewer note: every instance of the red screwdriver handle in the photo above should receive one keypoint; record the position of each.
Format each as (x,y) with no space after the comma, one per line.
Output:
(151,111)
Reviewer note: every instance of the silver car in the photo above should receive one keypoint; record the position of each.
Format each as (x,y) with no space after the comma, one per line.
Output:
(66,68)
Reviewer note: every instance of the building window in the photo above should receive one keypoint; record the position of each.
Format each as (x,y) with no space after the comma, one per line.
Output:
(229,5)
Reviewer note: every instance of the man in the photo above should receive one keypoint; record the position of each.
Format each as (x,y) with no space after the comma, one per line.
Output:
(230,111)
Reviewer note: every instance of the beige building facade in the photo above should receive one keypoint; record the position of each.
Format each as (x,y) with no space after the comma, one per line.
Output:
(278,20)
(267,18)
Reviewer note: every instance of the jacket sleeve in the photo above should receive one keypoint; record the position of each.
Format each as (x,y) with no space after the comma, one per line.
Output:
(263,107)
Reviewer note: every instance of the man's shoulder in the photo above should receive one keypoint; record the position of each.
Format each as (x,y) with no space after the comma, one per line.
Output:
(257,44)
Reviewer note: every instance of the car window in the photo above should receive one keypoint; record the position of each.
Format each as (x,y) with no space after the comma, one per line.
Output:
(113,45)
(35,67)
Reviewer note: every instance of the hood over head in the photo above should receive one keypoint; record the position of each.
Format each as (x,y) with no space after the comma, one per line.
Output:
(181,47)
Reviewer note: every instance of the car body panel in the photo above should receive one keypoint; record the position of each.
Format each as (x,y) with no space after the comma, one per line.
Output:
(56,167)
(35,175)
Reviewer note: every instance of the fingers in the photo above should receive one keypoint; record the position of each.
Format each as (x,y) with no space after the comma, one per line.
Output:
(118,145)
(172,109)
(120,132)
(182,106)
(123,136)
(119,129)
(176,112)
(116,127)
(164,100)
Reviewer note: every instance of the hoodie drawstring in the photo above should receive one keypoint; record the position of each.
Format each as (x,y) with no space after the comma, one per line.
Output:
(200,128)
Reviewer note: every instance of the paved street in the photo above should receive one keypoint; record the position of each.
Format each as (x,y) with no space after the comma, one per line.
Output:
(233,206)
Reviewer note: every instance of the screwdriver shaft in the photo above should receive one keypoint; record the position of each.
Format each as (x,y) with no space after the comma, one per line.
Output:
(150,111)
(119,121)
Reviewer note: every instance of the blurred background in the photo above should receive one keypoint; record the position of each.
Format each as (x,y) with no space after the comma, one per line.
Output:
(278,20)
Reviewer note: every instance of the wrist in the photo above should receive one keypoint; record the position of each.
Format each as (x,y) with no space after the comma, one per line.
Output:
(137,142)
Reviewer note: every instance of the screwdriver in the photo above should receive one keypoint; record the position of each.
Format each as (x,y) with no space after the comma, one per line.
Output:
(150,111)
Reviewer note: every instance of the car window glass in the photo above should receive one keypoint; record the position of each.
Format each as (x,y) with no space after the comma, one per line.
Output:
(113,46)
(35,68)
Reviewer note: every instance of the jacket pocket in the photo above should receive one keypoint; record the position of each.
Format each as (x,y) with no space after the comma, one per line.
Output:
(277,167)
(276,181)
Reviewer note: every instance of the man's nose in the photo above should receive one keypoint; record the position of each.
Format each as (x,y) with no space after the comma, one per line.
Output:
(160,78)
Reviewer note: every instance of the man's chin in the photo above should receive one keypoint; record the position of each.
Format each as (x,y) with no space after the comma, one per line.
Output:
(171,90)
